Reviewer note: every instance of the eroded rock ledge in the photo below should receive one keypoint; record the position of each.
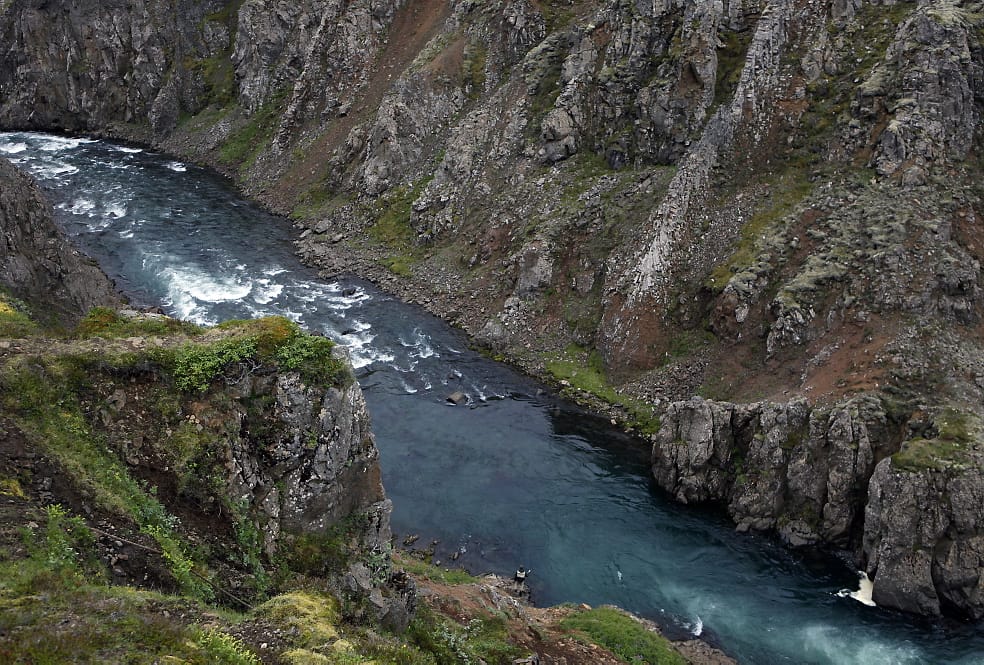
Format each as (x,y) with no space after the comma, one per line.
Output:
(905,496)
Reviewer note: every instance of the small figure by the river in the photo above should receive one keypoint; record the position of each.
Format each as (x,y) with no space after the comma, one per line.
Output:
(521,574)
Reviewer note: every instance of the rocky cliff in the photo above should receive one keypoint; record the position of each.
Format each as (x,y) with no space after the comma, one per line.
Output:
(907,494)
(774,204)
(37,264)
(252,440)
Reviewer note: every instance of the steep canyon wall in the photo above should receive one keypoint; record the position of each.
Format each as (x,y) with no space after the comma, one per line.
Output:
(773,204)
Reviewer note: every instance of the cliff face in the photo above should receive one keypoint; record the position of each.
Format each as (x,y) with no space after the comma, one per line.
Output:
(772,204)
(37,264)
(242,453)
(910,495)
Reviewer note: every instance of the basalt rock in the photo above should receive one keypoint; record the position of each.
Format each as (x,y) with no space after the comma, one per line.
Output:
(922,537)
(911,510)
(37,263)
(776,466)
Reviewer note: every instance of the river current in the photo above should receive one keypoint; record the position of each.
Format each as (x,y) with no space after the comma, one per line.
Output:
(515,476)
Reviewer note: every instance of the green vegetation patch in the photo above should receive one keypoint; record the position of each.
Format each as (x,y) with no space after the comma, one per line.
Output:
(481,640)
(787,193)
(956,430)
(109,323)
(624,636)
(312,617)
(585,372)
(449,576)
(473,69)
(244,144)
(731,61)
(15,318)
(392,228)
(41,396)
(196,364)
(56,608)
(557,14)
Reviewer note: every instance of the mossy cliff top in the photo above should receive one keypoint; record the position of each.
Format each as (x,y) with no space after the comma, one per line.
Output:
(211,495)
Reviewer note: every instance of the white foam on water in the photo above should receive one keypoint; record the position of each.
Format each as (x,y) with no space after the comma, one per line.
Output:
(264,291)
(697,627)
(129,151)
(420,343)
(185,307)
(58,143)
(863,594)
(834,644)
(116,209)
(80,206)
(177,166)
(53,168)
(361,351)
(13,148)
(407,388)
(205,287)
(126,234)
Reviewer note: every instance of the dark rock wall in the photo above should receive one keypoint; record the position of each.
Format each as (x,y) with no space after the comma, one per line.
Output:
(37,263)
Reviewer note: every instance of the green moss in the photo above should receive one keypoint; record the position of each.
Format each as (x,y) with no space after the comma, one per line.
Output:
(15,318)
(219,647)
(392,215)
(11,487)
(948,450)
(585,372)
(473,69)
(623,636)
(786,194)
(451,576)
(312,617)
(557,14)
(392,228)
(108,323)
(244,144)
(76,620)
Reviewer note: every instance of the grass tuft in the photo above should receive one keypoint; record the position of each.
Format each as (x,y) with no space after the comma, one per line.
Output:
(623,636)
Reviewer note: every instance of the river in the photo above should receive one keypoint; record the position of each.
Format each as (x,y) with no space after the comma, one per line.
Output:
(515,476)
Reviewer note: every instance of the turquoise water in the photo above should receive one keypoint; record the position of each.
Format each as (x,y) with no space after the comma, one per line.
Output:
(513,477)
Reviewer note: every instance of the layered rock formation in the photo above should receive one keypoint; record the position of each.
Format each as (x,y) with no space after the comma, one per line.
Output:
(773,204)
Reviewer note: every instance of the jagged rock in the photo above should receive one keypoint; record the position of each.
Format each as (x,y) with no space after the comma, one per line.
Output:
(922,539)
(790,467)
(37,263)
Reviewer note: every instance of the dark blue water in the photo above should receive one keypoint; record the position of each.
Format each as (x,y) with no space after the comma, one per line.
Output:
(513,477)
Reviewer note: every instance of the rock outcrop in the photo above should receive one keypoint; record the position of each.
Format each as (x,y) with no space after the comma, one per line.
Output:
(37,263)
(800,470)
(911,510)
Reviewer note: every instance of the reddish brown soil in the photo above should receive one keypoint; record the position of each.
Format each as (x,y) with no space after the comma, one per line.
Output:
(414,25)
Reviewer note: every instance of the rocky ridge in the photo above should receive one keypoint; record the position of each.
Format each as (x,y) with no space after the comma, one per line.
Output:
(758,202)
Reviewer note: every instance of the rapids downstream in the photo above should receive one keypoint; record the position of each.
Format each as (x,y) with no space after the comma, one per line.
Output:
(513,477)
